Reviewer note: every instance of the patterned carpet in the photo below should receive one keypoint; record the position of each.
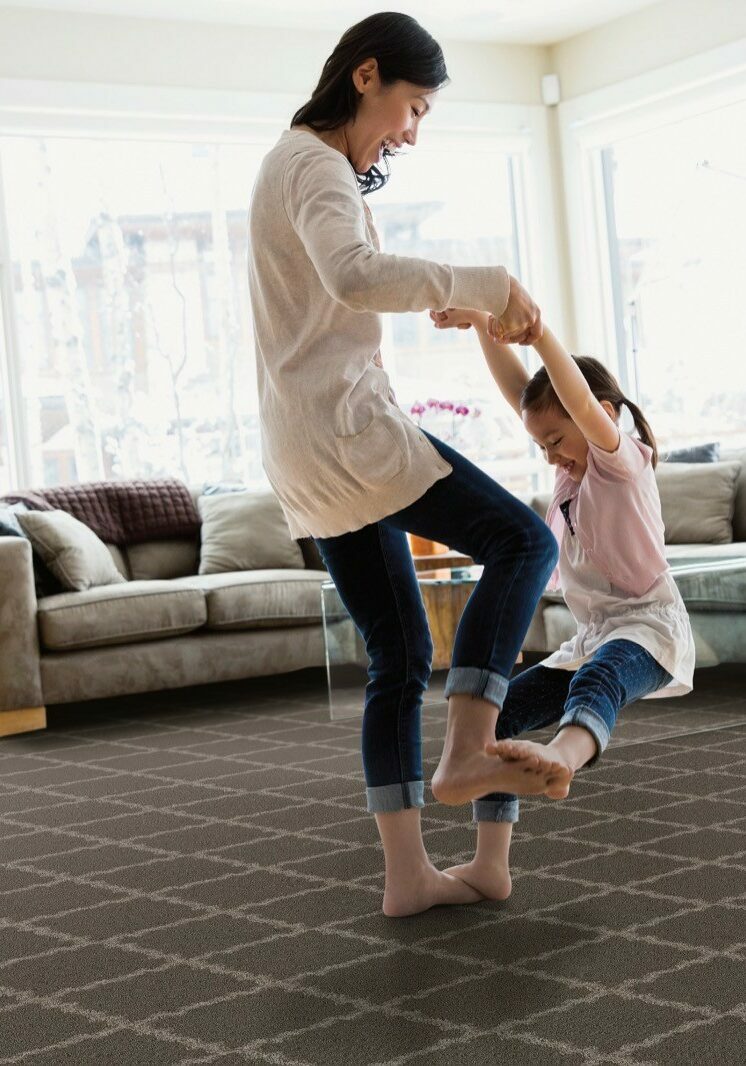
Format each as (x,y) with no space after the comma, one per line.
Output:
(192,877)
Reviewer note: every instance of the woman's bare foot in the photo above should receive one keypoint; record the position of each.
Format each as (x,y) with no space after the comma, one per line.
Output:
(430,888)
(493,881)
(463,776)
(557,774)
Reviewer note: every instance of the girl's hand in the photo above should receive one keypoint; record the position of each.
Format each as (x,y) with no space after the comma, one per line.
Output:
(520,322)
(497,333)
(453,318)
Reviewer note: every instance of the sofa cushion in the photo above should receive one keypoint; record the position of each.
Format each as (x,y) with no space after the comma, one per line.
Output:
(559,625)
(697,501)
(163,559)
(710,577)
(71,550)
(245,531)
(260,599)
(119,614)
(666,476)
(696,453)
(119,558)
(680,554)
(45,582)
(716,586)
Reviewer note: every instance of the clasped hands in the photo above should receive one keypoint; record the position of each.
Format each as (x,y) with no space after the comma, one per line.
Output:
(520,322)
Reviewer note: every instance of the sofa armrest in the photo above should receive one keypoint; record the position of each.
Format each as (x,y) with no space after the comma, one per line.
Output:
(20,678)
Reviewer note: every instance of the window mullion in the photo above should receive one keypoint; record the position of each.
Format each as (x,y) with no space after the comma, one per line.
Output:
(626,372)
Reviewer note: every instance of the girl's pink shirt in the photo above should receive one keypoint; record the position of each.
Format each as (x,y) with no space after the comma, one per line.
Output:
(616,514)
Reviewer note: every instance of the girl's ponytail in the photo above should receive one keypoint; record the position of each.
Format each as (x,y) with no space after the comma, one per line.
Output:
(642,426)
(539,395)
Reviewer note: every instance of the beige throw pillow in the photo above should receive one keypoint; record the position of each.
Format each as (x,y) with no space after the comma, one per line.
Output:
(72,551)
(245,531)
(697,501)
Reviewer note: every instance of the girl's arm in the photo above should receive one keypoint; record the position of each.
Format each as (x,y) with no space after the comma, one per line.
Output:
(506,368)
(575,395)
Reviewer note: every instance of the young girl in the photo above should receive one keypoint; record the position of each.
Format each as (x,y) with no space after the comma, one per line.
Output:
(634,640)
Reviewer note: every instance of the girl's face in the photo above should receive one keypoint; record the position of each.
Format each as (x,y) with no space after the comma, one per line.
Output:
(387,116)
(560,439)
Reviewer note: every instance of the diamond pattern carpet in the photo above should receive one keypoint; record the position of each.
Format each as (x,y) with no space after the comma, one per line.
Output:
(192,877)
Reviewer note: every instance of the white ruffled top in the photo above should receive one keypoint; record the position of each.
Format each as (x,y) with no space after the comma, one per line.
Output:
(658,621)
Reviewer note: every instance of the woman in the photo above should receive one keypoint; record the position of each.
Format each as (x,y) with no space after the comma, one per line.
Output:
(351,469)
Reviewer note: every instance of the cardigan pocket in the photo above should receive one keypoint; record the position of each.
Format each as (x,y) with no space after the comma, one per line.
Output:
(372,457)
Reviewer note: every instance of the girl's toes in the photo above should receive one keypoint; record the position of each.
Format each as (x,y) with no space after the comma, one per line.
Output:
(506,749)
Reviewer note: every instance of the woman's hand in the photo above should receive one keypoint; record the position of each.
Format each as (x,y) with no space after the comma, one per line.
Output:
(520,322)
(456,318)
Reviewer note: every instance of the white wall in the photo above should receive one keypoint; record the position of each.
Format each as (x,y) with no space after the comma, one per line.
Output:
(648,39)
(98,48)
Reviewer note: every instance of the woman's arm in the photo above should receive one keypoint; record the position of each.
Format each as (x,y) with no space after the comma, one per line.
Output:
(322,202)
(506,368)
(575,394)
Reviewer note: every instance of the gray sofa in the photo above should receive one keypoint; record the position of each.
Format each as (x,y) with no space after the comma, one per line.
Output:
(169,627)
(165,627)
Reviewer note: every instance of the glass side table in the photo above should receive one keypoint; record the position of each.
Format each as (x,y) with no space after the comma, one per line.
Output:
(444,593)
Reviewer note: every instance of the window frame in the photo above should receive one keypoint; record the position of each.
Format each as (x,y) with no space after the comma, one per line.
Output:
(589,125)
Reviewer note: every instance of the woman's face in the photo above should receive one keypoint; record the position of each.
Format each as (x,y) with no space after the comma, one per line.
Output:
(387,116)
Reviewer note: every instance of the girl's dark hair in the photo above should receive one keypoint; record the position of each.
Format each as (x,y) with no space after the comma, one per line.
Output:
(539,395)
(405,52)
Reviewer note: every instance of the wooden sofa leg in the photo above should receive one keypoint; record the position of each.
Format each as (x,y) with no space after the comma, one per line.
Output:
(23,720)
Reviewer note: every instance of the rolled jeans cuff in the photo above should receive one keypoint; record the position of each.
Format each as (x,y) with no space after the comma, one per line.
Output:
(396,797)
(494,810)
(472,681)
(593,722)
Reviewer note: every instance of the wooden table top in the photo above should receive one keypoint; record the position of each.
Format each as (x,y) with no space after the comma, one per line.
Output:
(450,559)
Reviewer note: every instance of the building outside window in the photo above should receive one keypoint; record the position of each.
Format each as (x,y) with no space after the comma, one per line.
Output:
(127,259)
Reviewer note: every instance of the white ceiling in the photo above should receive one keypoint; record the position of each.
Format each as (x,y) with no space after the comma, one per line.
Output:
(510,21)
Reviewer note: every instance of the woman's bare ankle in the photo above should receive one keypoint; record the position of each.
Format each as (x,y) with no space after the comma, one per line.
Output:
(471,724)
(490,878)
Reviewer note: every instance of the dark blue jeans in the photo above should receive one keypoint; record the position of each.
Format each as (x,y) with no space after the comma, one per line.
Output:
(374,573)
(619,673)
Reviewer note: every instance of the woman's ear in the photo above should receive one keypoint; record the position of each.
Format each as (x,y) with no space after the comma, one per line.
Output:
(608,407)
(364,75)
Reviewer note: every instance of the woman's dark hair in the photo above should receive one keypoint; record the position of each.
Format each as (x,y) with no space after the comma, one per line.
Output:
(539,395)
(405,52)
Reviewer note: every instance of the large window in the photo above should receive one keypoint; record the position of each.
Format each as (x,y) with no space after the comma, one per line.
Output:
(665,200)
(131,341)
(133,325)
(456,201)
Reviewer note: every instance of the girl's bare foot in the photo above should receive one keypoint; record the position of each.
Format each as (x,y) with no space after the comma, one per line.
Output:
(468,775)
(428,888)
(557,774)
(493,881)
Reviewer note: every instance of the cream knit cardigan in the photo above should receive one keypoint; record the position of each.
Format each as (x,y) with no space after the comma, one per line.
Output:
(336,447)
